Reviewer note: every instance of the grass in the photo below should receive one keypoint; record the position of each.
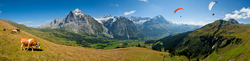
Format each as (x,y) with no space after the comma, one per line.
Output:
(49,51)
(234,51)
(175,58)
(213,57)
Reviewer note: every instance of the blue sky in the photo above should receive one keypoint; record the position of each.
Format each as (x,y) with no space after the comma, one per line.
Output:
(37,12)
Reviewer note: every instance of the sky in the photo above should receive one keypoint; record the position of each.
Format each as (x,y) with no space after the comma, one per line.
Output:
(34,13)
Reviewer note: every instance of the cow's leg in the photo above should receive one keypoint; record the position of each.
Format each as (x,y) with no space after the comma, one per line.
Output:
(32,48)
(21,47)
(28,47)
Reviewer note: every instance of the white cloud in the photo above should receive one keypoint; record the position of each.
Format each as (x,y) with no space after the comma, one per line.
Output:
(244,13)
(34,26)
(114,5)
(130,12)
(144,1)
(193,23)
(0,11)
(25,22)
(117,5)
(198,23)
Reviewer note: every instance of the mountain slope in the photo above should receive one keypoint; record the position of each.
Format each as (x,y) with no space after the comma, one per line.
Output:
(224,39)
(10,48)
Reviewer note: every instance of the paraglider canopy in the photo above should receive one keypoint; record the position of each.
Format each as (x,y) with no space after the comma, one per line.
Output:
(178,9)
(211,5)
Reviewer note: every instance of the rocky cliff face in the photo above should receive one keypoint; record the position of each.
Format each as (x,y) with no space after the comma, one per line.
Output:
(79,23)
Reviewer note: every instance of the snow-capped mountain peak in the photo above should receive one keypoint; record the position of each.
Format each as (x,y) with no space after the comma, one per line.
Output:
(159,15)
(105,18)
(77,12)
(107,15)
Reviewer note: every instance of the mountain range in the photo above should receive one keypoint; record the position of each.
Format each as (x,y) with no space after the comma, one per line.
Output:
(119,27)
(158,27)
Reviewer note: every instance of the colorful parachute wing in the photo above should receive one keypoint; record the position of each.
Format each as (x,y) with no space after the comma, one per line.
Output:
(211,5)
(178,9)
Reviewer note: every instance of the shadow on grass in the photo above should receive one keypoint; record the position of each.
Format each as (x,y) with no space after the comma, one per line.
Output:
(34,49)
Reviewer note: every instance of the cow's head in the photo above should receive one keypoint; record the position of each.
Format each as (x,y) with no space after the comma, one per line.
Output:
(38,45)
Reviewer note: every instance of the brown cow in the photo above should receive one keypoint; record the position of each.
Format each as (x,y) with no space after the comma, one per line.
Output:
(18,30)
(29,42)
(14,31)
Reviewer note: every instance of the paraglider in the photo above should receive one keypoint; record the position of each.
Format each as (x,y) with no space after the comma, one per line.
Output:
(178,10)
(211,4)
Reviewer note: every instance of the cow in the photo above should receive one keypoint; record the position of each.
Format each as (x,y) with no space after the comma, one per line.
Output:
(29,42)
(14,31)
(4,29)
(18,30)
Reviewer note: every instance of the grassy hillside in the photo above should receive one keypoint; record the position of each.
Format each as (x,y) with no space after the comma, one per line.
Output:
(11,50)
(220,40)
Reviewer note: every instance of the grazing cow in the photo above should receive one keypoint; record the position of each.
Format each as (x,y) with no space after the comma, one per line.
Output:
(18,30)
(4,29)
(14,31)
(29,42)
